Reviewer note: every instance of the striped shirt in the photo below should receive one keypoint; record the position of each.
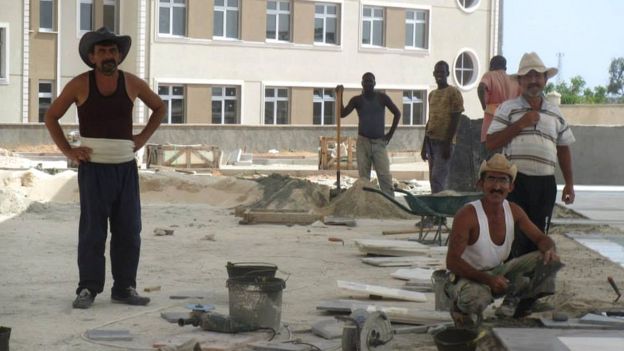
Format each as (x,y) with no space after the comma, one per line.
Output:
(534,150)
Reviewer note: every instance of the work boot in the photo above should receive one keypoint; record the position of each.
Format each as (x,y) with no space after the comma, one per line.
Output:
(131,297)
(507,309)
(84,299)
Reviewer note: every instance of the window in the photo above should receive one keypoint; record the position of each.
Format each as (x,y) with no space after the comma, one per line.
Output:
(326,23)
(416,29)
(372,26)
(45,98)
(276,106)
(224,105)
(414,107)
(172,17)
(226,19)
(278,20)
(86,15)
(465,69)
(46,15)
(468,5)
(173,96)
(110,15)
(324,110)
(4,53)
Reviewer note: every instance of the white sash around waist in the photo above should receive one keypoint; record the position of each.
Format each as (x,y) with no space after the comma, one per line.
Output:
(109,150)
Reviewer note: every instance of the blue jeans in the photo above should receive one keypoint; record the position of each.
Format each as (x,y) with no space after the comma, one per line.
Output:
(109,192)
(439,168)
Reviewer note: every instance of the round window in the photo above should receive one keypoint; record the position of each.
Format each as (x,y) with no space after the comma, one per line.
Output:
(468,5)
(466,69)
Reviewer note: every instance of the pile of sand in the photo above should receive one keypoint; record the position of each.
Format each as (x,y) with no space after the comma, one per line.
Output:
(287,193)
(358,203)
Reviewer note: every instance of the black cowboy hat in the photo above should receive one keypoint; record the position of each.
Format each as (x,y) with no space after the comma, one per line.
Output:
(103,34)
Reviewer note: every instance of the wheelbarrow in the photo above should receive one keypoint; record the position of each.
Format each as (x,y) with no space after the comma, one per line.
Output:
(437,206)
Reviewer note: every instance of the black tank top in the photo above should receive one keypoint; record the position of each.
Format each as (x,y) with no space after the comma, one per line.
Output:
(109,116)
(371,117)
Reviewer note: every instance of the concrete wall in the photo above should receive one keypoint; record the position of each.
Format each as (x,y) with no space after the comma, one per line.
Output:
(593,114)
(595,162)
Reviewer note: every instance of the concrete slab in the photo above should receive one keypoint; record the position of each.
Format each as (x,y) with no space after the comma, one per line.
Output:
(591,318)
(328,328)
(592,343)
(532,339)
(572,323)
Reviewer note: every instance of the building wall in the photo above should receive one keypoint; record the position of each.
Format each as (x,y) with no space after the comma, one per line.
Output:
(302,64)
(11,18)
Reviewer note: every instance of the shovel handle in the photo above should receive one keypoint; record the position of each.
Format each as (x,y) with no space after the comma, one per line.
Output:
(615,288)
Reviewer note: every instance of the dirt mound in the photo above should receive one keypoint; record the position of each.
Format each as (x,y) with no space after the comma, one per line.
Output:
(286,193)
(358,203)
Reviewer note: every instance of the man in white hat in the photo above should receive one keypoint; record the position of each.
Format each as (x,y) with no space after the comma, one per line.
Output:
(479,245)
(535,136)
(107,173)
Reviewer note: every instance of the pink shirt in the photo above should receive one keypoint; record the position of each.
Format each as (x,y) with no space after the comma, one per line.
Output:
(499,87)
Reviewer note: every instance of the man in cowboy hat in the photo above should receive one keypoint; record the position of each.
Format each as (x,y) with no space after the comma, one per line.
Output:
(479,244)
(107,173)
(534,135)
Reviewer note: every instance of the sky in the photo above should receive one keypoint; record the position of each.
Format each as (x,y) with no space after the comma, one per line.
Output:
(589,33)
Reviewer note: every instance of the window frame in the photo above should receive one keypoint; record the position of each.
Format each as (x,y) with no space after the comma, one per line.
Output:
(223,98)
(168,100)
(4,53)
(115,5)
(277,12)
(412,102)
(372,19)
(225,8)
(468,9)
(275,99)
(171,4)
(324,16)
(323,102)
(44,95)
(52,17)
(475,69)
(79,15)
(415,22)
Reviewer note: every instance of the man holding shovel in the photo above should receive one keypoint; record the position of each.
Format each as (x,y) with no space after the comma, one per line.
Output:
(372,139)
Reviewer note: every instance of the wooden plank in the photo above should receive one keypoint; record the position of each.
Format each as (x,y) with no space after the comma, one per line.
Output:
(278,217)
(405,261)
(396,314)
(572,323)
(383,291)
(401,231)
(331,220)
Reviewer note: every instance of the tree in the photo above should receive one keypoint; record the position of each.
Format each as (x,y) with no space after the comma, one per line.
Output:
(616,76)
(575,92)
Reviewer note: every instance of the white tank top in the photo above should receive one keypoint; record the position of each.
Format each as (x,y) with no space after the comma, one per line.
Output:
(484,254)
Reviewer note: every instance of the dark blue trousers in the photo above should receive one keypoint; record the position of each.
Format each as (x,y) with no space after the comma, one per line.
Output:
(536,195)
(109,192)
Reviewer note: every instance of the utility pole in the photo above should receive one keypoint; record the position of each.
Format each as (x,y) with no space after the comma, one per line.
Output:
(560,67)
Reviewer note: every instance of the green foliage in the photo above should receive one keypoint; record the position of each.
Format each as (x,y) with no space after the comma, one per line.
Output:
(616,77)
(575,92)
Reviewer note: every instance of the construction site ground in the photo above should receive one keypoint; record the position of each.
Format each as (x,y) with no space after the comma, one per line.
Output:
(38,234)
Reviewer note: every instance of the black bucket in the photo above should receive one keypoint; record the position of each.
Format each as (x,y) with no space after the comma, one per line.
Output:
(456,339)
(5,334)
(256,301)
(251,269)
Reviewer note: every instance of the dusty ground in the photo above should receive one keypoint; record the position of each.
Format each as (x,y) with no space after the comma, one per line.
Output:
(38,235)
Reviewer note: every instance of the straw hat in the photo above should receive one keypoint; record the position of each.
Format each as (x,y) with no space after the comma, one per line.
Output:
(103,34)
(531,62)
(499,163)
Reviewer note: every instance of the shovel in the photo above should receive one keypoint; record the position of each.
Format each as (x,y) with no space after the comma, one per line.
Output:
(335,192)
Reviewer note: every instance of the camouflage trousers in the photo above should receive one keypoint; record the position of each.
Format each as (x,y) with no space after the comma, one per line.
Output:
(471,297)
